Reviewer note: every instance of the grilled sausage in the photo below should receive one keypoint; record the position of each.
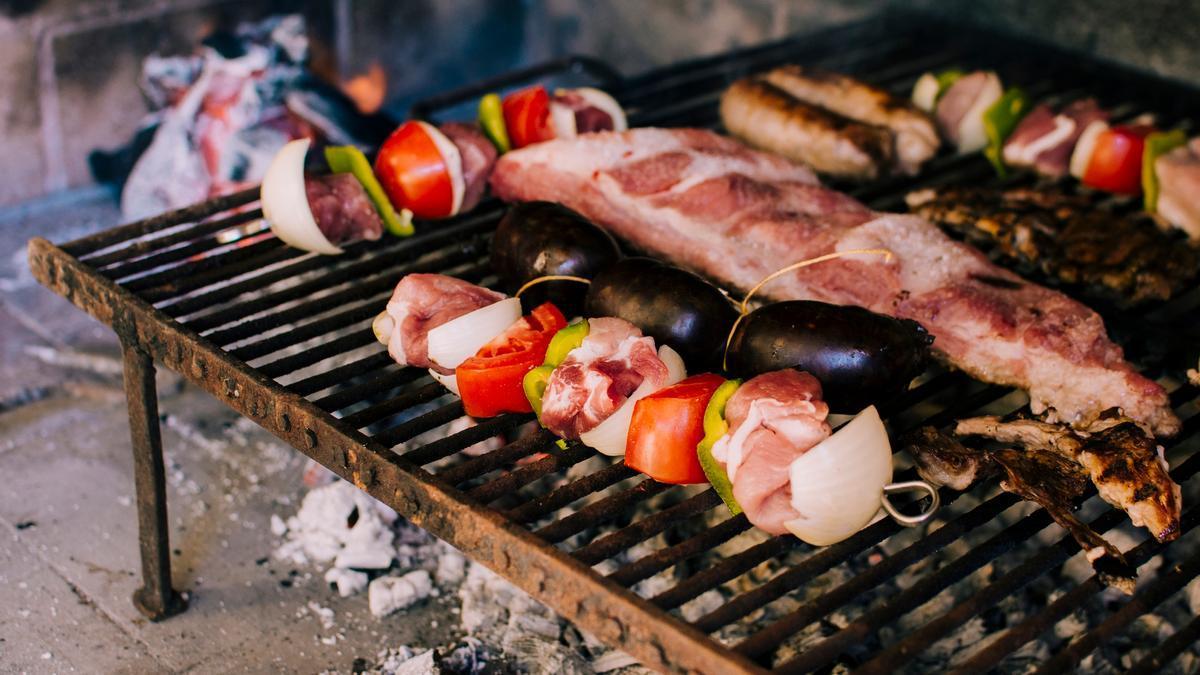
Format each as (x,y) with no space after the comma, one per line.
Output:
(916,135)
(769,118)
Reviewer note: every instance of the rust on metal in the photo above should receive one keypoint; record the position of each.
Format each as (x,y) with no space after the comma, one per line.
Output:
(156,599)
(610,612)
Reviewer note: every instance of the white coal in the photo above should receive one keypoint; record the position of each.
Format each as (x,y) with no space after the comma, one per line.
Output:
(390,594)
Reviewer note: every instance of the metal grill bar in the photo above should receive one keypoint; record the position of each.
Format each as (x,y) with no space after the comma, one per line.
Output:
(92,244)
(322,381)
(539,441)
(615,542)
(409,399)
(600,512)
(577,489)
(832,556)
(660,560)
(387,381)
(431,420)
(445,447)
(729,568)
(203,238)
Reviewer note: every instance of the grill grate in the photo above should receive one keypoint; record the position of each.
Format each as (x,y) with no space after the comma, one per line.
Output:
(285,338)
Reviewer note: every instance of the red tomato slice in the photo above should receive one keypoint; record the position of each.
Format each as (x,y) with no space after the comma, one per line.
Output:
(527,116)
(490,382)
(1116,163)
(414,173)
(666,428)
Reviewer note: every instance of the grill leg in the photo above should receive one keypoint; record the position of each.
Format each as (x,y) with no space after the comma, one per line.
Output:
(156,598)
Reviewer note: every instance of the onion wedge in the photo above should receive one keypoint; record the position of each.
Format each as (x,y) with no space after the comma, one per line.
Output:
(459,339)
(972,137)
(837,485)
(448,381)
(610,436)
(285,203)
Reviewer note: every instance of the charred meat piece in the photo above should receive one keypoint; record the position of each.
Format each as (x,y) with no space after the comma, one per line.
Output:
(916,136)
(1122,460)
(769,118)
(1045,478)
(1124,258)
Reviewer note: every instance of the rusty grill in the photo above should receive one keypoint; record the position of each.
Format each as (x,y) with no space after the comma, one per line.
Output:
(284,337)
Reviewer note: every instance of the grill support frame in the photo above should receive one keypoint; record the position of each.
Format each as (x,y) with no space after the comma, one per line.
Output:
(611,612)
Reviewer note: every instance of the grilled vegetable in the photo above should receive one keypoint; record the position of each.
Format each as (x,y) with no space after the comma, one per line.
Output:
(715,427)
(666,427)
(930,87)
(535,381)
(837,485)
(1157,144)
(538,239)
(421,171)
(1082,154)
(672,305)
(1116,161)
(285,202)
(491,120)
(860,357)
(490,382)
(349,159)
(527,116)
(999,121)
(458,339)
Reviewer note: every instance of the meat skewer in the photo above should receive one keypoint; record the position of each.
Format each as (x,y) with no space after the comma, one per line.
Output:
(735,215)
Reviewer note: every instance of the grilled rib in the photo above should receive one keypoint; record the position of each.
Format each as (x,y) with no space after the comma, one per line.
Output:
(1125,258)
(1122,460)
(710,204)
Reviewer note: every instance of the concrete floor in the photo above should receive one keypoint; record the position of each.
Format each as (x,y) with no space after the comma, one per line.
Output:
(68,535)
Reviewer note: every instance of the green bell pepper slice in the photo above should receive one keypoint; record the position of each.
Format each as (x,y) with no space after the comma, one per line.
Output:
(534,384)
(491,119)
(715,427)
(349,159)
(1157,144)
(946,79)
(999,121)
(535,381)
(564,341)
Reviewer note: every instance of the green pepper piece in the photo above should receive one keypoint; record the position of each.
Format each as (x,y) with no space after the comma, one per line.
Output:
(349,159)
(1157,144)
(564,341)
(715,427)
(534,384)
(946,79)
(491,118)
(999,121)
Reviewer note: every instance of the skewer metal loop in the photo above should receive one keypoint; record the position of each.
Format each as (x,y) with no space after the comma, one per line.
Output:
(911,486)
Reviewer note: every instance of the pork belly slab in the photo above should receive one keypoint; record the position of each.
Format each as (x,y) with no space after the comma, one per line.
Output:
(735,215)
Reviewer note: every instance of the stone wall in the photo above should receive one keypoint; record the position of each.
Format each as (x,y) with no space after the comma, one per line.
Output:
(69,68)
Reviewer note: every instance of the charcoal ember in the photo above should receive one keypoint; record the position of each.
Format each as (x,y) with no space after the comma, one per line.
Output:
(468,657)
(1192,593)
(702,604)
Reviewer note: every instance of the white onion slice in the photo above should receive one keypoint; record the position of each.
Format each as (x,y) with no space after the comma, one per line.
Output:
(285,203)
(454,164)
(458,339)
(837,485)
(611,435)
(448,381)
(562,120)
(1085,146)
(382,326)
(925,92)
(971,135)
(605,102)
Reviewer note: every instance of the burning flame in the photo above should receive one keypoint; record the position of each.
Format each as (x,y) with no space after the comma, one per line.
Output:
(368,89)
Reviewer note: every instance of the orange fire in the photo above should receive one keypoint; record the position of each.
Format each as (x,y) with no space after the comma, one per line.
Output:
(368,89)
